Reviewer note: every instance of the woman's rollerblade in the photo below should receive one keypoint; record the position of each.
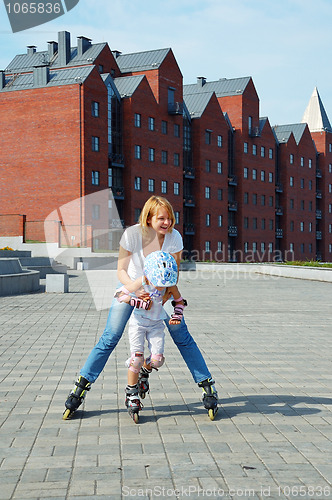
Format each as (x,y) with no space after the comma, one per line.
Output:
(210,397)
(133,402)
(76,397)
(143,381)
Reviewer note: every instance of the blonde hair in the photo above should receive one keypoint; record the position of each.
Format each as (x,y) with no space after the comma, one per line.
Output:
(151,207)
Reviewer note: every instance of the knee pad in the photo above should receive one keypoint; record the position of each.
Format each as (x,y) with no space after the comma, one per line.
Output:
(136,361)
(157,360)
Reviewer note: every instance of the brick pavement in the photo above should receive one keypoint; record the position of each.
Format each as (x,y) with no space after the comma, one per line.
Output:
(266,340)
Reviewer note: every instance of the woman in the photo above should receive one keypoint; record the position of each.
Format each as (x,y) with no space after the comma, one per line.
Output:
(155,231)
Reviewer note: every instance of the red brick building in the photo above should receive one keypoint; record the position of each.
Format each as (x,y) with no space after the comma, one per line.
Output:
(79,121)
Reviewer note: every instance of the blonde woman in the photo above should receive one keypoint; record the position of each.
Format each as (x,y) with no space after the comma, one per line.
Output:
(155,231)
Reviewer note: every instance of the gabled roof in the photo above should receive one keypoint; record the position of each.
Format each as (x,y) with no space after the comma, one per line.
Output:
(57,77)
(315,115)
(26,62)
(108,80)
(196,103)
(283,132)
(222,87)
(126,85)
(141,61)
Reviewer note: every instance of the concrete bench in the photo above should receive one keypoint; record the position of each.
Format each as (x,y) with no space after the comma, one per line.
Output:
(57,283)
(14,280)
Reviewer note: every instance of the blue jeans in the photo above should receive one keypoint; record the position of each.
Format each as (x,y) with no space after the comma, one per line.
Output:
(117,319)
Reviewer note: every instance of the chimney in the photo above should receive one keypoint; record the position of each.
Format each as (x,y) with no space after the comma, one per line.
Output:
(31,49)
(41,76)
(52,49)
(2,80)
(83,44)
(201,81)
(64,48)
(116,53)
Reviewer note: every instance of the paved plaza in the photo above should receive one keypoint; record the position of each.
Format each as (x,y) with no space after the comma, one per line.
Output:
(268,344)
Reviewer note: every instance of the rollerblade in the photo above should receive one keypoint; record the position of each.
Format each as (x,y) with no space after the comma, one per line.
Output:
(76,397)
(133,402)
(143,381)
(210,397)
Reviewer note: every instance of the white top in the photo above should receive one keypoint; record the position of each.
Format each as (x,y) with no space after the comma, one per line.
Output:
(157,311)
(131,241)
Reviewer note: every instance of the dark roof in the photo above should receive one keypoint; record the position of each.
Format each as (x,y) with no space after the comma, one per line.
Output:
(126,85)
(283,132)
(222,87)
(57,77)
(196,103)
(141,61)
(26,62)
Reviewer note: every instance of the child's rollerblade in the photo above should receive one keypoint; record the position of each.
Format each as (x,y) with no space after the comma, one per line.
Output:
(143,381)
(210,397)
(76,397)
(133,402)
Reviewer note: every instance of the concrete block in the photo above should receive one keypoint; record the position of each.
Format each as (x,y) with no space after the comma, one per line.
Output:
(57,283)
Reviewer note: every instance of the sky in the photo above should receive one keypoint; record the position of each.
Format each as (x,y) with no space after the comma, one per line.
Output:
(284,46)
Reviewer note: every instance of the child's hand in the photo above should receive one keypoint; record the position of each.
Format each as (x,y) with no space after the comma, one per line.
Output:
(167,295)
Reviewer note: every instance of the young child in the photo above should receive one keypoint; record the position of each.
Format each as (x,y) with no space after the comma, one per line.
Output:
(147,322)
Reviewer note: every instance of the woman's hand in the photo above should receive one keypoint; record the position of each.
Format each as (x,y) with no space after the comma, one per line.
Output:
(142,294)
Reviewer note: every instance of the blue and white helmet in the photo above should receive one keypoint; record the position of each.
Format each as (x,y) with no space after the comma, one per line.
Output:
(161,269)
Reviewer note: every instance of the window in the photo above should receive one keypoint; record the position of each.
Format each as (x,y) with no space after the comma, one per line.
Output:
(207,246)
(138,182)
(95,178)
(330,148)
(270,153)
(164,157)
(262,247)
(246,246)
(310,163)
(291,225)
(177,217)
(254,222)
(171,95)
(95,143)
(207,166)
(310,227)
(95,108)
(291,247)
(302,161)
(270,247)
(262,151)
(302,204)
(254,174)
(310,247)
(138,152)
(137,213)
(137,120)
(176,188)
(219,141)
(330,188)
(271,222)
(254,149)
(254,199)
(151,154)
(151,123)
(301,227)
(310,206)
(219,246)
(263,200)
(330,168)
(291,159)
(302,247)
(270,201)
(263,223)
(330,208)
(302,183)
(254,246)
(110,177)
(101,68)
(163,187)
(291,181)
(208,136)
(245,147)
(176,130)
(291,203)
(219,220)
(245,172)
(151,185)
(246,222)
(246,198)
(207,193)
(219,194)
(262,175)
(270,177)
(330,248)
(176,159)
(249,123)
(310,185)
(164,127)
(96,212)
(219,167)
(207,220)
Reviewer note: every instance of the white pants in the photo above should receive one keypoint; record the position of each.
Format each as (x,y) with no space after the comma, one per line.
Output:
(141,328)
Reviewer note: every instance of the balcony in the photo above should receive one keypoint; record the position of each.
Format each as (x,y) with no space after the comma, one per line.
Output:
(319,194)
(189,172)
(232,180)
(232,231)
(189,200)
(319,235)
(279,188)
(116,223)
(254,132)
(318,214)
(279,211)
(118,192)
(319,173)
(189,228)
(175,108)
(279,233)
(116,159)
(232,206)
